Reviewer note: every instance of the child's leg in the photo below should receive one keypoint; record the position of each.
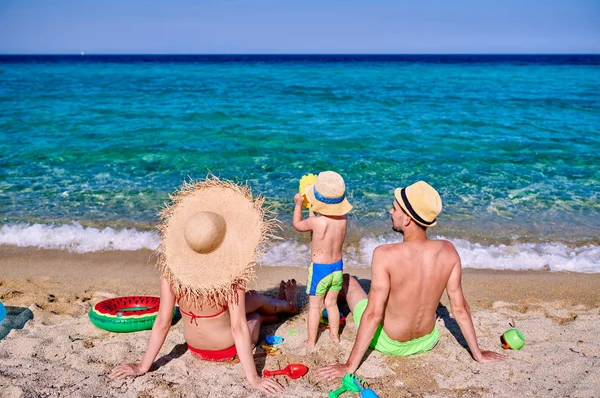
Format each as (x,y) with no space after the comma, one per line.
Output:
(333,315)
(315,303)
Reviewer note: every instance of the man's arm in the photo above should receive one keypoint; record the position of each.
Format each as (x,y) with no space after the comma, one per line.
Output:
(371,318)
(462,314)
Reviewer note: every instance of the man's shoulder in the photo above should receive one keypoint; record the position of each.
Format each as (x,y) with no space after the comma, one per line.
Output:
(446,248)
(391,250)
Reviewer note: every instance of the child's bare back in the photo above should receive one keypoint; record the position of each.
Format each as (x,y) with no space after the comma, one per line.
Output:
(328,235)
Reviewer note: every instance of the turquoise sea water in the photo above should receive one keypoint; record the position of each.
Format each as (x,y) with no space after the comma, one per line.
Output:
(510,143)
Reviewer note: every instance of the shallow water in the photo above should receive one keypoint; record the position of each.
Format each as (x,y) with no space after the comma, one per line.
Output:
(510,142)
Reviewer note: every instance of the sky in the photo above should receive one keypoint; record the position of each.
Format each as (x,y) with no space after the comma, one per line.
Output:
(299,26)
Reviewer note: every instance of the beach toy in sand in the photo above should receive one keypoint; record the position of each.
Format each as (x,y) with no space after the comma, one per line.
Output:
(293,371)
(268,351)
(325,318)
(513,339)
(349,383)
(2,312)
(272,339)
(308,179)
(364,392)
(126,314)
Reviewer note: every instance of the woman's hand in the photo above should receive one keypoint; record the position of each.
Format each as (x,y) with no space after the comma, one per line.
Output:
(125,370)
(270,386)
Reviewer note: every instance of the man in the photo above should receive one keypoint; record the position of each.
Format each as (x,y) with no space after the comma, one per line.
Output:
(408,279)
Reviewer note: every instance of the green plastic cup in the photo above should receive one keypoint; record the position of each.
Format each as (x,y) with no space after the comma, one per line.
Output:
(513,338)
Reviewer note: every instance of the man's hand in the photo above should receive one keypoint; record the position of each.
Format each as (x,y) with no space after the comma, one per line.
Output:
(125,370)
(490,356)
(270,386)
(299,199)
(332,371)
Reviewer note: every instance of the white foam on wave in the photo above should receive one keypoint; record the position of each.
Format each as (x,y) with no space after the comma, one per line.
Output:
(76,238)
(523,256)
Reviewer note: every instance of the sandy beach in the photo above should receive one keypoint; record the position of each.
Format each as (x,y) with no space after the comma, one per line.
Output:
(60,353)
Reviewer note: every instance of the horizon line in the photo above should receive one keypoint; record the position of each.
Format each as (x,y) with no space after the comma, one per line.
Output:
(83,53)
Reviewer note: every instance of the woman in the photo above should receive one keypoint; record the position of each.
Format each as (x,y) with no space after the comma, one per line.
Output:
(210,235)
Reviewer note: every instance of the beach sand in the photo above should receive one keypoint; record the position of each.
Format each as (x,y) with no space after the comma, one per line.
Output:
(59,353)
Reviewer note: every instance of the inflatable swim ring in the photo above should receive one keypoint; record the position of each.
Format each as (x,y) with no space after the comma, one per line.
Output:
(125,314)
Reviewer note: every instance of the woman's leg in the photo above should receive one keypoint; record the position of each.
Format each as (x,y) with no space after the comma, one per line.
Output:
(255,320)
(256,302)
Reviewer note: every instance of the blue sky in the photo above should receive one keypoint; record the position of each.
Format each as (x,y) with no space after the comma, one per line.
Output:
(308,26)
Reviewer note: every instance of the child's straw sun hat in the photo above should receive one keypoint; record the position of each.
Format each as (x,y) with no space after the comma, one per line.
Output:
(328,195)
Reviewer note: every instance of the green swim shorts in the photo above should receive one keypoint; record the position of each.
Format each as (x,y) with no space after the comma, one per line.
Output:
(383,343)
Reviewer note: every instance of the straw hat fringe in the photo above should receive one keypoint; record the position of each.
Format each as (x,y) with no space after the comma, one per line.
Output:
(218,295)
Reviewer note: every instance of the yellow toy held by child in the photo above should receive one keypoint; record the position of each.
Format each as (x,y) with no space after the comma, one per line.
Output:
(306,180)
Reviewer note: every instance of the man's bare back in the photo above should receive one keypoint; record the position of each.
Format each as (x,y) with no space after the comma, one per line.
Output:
(407,283)
(419,274)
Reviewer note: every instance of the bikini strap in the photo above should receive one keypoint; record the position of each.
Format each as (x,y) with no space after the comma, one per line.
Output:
(193,316)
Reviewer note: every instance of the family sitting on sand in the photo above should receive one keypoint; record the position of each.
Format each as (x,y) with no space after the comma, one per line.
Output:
(210,236)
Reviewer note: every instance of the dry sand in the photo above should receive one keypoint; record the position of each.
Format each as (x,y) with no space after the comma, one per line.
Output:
(59,353)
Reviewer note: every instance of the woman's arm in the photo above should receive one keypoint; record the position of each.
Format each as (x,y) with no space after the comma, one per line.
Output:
(160,329)
(243,345)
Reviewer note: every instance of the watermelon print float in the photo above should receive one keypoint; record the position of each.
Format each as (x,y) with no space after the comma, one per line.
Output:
(125,314)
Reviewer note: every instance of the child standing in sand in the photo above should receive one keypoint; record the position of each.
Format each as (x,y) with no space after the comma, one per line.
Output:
(328,198)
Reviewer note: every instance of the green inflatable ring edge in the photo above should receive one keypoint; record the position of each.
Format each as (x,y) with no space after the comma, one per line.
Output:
(127,325)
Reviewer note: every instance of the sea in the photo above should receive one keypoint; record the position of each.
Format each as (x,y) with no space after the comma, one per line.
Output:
(92,145)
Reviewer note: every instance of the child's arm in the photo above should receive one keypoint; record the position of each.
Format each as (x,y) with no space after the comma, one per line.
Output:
(299,224)
(243,345)
(160,329)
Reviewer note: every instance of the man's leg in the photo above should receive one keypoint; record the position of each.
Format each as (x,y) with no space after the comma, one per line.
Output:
(351,292)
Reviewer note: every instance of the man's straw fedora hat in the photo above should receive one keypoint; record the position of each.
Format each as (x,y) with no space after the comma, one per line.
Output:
(421,202)
(328,195)
(210,236)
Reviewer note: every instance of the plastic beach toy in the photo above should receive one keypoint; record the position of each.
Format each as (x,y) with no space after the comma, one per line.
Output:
(349,383)
(513,339)
(325,318)
(2,312)
(293,370)
(308,179)
(365,392)
(272,340)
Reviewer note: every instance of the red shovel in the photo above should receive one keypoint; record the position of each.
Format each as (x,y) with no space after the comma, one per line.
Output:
(293,370)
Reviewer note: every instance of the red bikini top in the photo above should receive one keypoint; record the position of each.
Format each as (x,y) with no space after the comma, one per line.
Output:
(193,316)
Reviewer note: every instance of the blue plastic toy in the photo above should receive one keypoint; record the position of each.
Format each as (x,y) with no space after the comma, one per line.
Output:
(2,312)
(365,392)
(272,340)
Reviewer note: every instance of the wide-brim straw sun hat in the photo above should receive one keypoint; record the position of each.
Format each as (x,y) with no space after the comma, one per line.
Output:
(328,195)
(211,234)
(421,202)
